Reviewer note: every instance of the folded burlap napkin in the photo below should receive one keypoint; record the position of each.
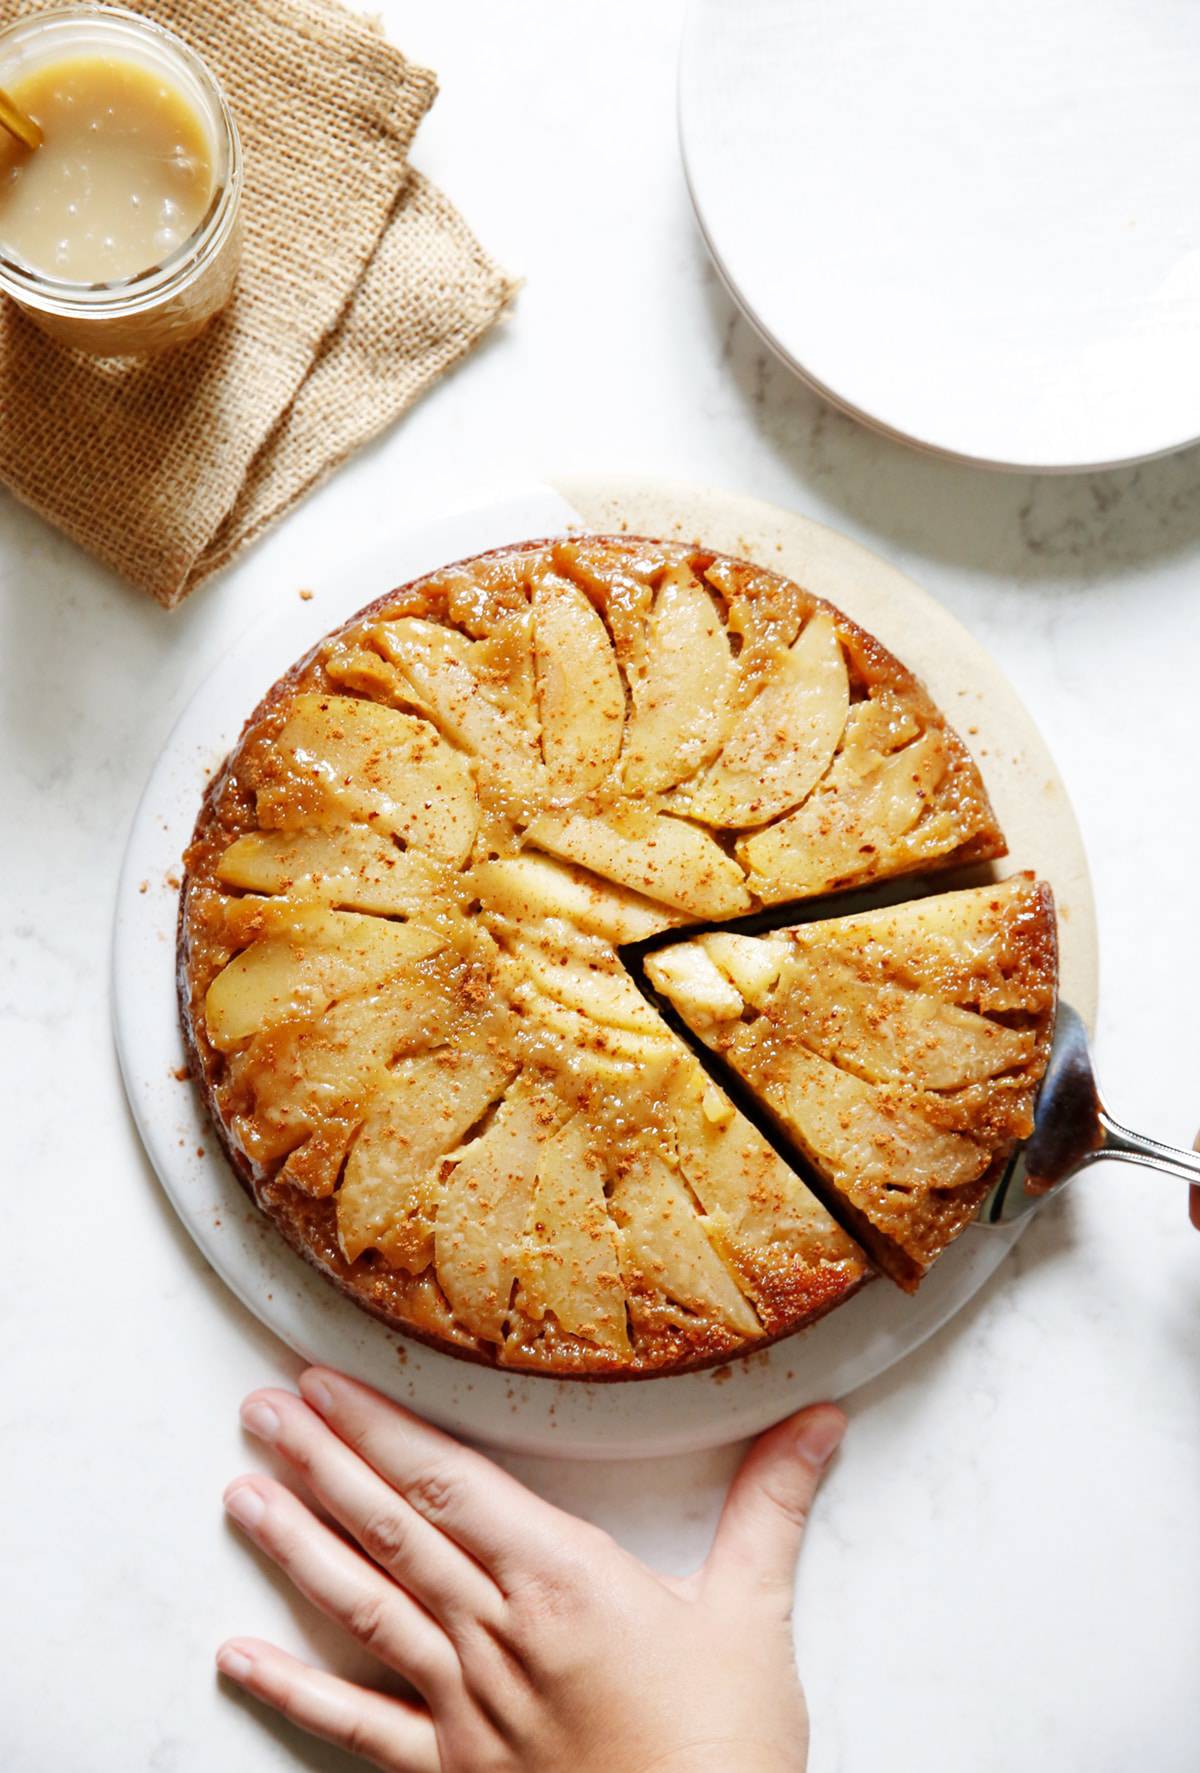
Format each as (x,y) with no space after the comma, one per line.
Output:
(360,285)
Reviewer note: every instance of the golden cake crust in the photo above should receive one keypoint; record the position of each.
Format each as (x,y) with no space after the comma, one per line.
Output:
(783,1281)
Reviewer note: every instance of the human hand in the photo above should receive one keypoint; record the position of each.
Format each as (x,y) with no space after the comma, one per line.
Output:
(535,1643)
(1194,1192)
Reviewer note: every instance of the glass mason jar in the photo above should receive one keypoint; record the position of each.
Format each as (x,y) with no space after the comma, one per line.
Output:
(167,303)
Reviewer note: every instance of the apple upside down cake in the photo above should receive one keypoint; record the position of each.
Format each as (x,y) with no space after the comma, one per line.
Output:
(406,906)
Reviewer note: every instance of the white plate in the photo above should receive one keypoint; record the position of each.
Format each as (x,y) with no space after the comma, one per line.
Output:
(664,1415)
(974,226)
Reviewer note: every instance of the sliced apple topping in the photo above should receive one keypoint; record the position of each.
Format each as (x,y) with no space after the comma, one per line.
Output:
(569,1264)
(328,954)
(874,729)
(680,687)
(438,667)
(890,1034)
(664,1247)
(353,868)
(502,662)
(750,963)
(695,984)
(754,1200)
(857,827)
(860,1136)
(485,1206)
(764,611)
(618,589)
(339,759)
(883,1032)
(991,947)
(388,1200)
(653,854)
(780,746)
(580,693)
(503,658)
(528,887)
(553,1033)
(296,1075)
(583,973)
(364,672)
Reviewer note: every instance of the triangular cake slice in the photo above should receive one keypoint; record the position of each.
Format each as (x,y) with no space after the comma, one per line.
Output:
(900,1050)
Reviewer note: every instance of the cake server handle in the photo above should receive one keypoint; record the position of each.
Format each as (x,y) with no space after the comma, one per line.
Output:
(1072,1130)
(1139,1148)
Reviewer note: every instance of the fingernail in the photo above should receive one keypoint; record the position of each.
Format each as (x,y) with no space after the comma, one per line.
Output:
(233,1662)
(818,1437)
(245,1505)
(316,1393)
(261,1420)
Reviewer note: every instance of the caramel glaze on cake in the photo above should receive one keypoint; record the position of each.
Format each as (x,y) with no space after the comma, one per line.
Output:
(398,963)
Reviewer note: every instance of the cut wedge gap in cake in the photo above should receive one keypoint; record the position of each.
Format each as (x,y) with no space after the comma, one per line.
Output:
(767,1125)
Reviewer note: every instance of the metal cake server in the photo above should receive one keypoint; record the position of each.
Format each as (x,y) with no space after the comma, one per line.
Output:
(1072,1129)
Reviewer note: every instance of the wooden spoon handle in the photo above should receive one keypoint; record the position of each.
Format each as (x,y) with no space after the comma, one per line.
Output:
(18,123)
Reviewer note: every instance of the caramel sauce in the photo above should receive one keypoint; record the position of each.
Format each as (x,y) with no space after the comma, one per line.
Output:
(123,179)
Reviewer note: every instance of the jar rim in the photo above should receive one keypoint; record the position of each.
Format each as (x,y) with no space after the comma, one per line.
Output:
(143,289)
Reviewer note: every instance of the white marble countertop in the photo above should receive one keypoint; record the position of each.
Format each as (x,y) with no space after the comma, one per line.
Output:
(1003,1569)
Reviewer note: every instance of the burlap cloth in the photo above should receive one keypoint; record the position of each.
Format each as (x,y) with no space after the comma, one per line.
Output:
(360,285)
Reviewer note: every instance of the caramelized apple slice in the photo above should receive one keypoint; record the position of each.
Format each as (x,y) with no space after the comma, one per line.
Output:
(503,658)
(791,1257)
(583,973)
(860,1135)
(365,672)
(484,1209)
(622,595)
(750,963)
(653,854)
(857,828)
(780,746)
(695,984)
(569,1264)
(556,1033)
(902,1097)
(529,887)
(664,1247)
(580,693)
(437,666)
(328,955)
(352,868)
(680,688)
(755,1199)
(389,1193)
(889,1033)
(502,664)
(991,947)
(299,1073)
(884,1032)
(340,759)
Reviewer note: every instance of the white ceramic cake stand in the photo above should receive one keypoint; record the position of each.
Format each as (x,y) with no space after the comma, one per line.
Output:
(628,1419)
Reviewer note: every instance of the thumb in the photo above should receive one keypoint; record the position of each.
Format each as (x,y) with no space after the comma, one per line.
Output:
(766,1511)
